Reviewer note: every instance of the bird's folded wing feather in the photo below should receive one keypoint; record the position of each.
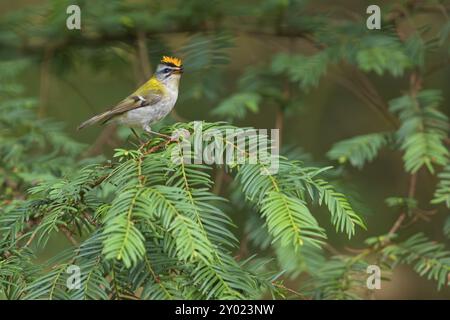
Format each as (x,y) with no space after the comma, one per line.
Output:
(136,101)
(148,94)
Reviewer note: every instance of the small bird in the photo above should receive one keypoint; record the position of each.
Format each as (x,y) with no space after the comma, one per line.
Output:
(150,103)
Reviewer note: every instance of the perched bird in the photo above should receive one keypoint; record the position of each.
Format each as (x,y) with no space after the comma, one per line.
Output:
(150,103)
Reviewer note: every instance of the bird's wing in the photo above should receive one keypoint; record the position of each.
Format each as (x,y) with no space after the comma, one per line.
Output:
(136,100)
(148,94)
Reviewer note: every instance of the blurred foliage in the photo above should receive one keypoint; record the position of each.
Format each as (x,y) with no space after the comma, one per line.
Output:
(142,227)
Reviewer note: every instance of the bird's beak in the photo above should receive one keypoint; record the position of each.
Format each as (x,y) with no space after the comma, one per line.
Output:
(178,70)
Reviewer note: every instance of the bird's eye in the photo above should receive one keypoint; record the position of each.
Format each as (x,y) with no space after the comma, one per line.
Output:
(166,70)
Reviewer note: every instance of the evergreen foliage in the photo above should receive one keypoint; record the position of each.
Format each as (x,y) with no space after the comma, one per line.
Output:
(358,150)
(140,225)
(429,259)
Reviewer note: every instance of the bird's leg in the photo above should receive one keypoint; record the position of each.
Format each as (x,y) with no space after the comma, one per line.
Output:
(136,135)
(149,130)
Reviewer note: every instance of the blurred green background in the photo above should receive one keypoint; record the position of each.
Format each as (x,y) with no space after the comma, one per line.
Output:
(327,113)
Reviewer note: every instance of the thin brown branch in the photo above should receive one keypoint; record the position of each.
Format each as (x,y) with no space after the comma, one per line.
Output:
(90,219)
(278,285)
(412,186)
(154,148)
(218,180)
(75,88)
(361,94)
(243,248)
(402,217)
(31,223)
(33,235)
(368,88)
(143,54)
(69,235)
(415,85)
(397,224)
(331,249)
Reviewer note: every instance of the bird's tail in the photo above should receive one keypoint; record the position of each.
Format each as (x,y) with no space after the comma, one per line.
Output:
(105,116)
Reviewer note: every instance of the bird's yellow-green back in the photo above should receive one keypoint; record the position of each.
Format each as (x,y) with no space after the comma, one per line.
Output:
(151,86)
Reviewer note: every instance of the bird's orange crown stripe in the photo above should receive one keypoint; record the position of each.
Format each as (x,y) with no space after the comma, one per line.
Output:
(171,60)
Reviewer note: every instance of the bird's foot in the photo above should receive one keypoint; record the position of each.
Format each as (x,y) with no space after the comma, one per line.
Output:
(137,136)
(175,137)
(183,133)
(150,131)
(160,134)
